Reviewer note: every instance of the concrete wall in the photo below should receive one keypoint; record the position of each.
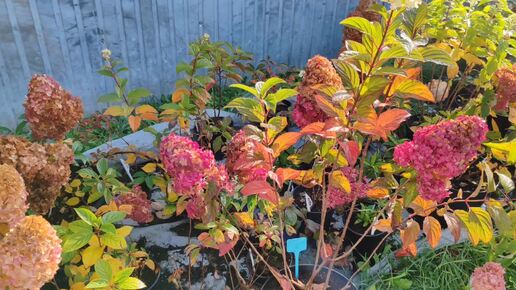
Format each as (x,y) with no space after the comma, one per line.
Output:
(63,38)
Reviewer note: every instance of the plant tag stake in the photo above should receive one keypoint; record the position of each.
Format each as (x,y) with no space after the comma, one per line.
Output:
(296,246)
(309,202)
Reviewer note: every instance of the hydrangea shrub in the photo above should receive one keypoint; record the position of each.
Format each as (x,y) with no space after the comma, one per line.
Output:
(13,198)
(488,277)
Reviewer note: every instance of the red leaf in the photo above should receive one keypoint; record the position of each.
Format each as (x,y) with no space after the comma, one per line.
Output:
(262,188)
(351,152)
(410,250)
(225,247)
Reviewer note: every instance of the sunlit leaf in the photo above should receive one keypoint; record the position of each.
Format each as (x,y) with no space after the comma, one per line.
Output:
(478,224)
(432,230)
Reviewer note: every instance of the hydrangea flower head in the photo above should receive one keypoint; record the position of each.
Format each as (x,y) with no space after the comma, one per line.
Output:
(191,170)
(245,158)
(30,255)
(141,206)
(319,71)
(441,152)
(505,89)
(13,197)
(337,197)
(50,110)
(488,277)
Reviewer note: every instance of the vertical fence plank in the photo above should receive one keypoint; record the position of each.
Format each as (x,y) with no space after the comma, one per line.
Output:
(64,38)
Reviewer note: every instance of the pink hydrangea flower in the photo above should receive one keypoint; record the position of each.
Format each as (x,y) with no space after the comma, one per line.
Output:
(141,206)
(337,197)
(441,152)
(30,255)
(246,158)
(488,277)
(192,169)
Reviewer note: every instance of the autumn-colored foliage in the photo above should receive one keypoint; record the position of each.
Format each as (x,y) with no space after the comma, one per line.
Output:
(13,198)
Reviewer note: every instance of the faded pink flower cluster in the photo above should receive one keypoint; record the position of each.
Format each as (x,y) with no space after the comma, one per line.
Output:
(191,169)
(13,197)
(244,160)
(141,206)
(441,152)
(30,255)
(337,197)
(51,110)
(488,277)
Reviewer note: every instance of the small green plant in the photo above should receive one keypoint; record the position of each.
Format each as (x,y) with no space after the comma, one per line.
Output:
(367,213)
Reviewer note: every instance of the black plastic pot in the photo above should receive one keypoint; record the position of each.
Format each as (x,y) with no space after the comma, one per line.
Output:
(337,279)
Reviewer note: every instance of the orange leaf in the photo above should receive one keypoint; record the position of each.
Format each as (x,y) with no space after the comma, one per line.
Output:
(377,192)
(383,225)
(351,151)
(422,207)
(262,188)
(149,117)
(410,250)
(285,174)
(381,126)
(432,230)
(454,225)
(410,233)
(145,109)
(134,122)
(326,251)
(284,141)
(177,96)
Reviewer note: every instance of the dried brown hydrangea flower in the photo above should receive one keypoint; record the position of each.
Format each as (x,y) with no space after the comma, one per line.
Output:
(319,71)
(50,110)
(30,255)
(44,168)
(13,198)
(360,11)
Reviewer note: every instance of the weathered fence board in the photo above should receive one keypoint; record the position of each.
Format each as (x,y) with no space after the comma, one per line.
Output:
(63,38)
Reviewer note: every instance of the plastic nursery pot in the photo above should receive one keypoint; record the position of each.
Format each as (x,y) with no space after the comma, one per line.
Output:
(337,279)
(367,245)
(150,278)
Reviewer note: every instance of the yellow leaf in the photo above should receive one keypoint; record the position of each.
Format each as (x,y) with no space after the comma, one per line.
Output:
(245,219)
(452,71)
(131,158)
(73,201)
(512,113)
(117,111)
(149,167)
(94,241)
(340,181)
(124,231)
(145,109)
(134,122)
(172,197)
(75,183)
(150,264)
(387,167)
(91,255)
(79,193)
(410,233)
(478,224)
(432,230)
(383,225)
(68,189)
(140,254)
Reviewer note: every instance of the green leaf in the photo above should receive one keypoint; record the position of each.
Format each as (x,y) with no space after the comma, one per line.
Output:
(76,241)
(270,83)
(137,94)
(113,241)
(108,228)
(183,67)
(131,283)
(248,89)
(203,63)
(122,275)
(99,283)
(348,74)
(107,98)
(113,217)
(103,269)
(102,166)
(87,216)
(373,86)
(361,24)
(435,55)
(249,108)
(396,51)
(275,126)
(87,172)
(273,99)
(79,226)
(105,72)
(410,193)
